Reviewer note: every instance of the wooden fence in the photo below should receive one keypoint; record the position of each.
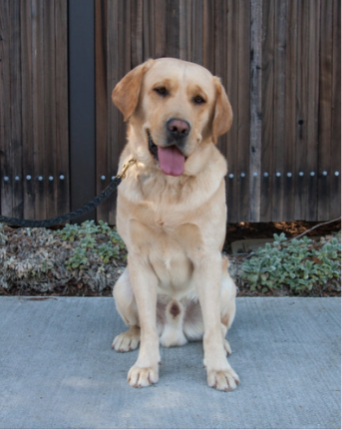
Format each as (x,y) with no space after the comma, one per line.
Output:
(34,143)
(278,59)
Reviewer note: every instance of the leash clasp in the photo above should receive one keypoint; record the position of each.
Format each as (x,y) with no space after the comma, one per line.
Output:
(126,166)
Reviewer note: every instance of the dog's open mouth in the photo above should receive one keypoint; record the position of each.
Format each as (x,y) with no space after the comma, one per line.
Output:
(152,147)
(171,160)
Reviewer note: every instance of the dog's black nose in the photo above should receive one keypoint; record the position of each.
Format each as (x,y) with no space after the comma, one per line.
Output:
(178,128)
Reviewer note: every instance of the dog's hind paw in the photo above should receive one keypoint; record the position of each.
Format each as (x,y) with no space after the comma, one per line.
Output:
(127,341)
(224,380)
(139,377)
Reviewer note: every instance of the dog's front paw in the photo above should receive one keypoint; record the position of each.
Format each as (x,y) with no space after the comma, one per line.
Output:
(224,380)
(139,377)
(227,347)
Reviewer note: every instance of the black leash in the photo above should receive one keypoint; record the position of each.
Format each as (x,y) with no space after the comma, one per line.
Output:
(75,214)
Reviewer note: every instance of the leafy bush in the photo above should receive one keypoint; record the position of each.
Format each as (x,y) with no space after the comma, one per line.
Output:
(78,260)
(92,240)
(298,263)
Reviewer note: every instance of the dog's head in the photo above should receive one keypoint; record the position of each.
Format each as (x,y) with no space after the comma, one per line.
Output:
(177,106)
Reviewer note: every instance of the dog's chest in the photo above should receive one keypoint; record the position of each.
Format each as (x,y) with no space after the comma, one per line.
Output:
(170,249)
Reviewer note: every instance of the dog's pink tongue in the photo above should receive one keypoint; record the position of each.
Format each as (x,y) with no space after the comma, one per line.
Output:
(171,160)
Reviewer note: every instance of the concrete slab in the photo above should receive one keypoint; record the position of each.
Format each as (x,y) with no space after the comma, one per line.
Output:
(57,369)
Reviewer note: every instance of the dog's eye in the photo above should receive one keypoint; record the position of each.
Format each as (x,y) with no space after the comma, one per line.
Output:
(162,91)
(199,100)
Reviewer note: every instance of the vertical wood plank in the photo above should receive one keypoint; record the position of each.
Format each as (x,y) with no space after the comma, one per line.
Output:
(255,110)
(208,35)
(137,41)
(160,28)
(325,97)
(302,187)
(102,96)
(114,116)
(231,81)
(16,115)
(312,119)
(148,33)
(50,186)
(220,37)
(220,48)
(243,112)
(270,145)
(2,99)
(185,29)
(275,212)
(195,23)
(62,186)
(27,109)
(307,93)
(38,105)
(5,112)
(172,28)
(335,161)
(290,111)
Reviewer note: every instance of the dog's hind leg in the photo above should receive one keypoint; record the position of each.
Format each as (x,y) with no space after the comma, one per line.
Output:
(228,308)
(126,306)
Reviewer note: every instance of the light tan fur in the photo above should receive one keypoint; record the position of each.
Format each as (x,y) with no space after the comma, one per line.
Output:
(176,286)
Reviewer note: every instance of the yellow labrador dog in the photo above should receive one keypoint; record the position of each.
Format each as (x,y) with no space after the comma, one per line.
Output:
(171,214)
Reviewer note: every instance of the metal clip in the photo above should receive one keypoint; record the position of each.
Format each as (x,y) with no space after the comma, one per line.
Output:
(126,166)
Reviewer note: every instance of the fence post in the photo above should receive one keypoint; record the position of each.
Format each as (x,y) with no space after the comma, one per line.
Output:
(82,103)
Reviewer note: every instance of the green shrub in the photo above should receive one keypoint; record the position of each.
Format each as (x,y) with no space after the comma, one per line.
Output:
(93,241)
(298,263)
(78,260)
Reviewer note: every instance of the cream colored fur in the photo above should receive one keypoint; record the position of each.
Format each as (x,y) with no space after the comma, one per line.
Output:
(176,286)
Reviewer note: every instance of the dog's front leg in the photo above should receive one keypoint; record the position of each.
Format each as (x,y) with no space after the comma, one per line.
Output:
(208,275)
(144,284)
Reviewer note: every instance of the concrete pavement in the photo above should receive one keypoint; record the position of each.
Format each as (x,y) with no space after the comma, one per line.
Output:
(57,369)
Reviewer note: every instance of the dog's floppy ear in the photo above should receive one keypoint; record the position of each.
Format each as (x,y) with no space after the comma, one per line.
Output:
(223,115)
(126,93)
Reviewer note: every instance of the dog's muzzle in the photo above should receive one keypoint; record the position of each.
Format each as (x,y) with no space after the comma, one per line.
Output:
(170,157)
